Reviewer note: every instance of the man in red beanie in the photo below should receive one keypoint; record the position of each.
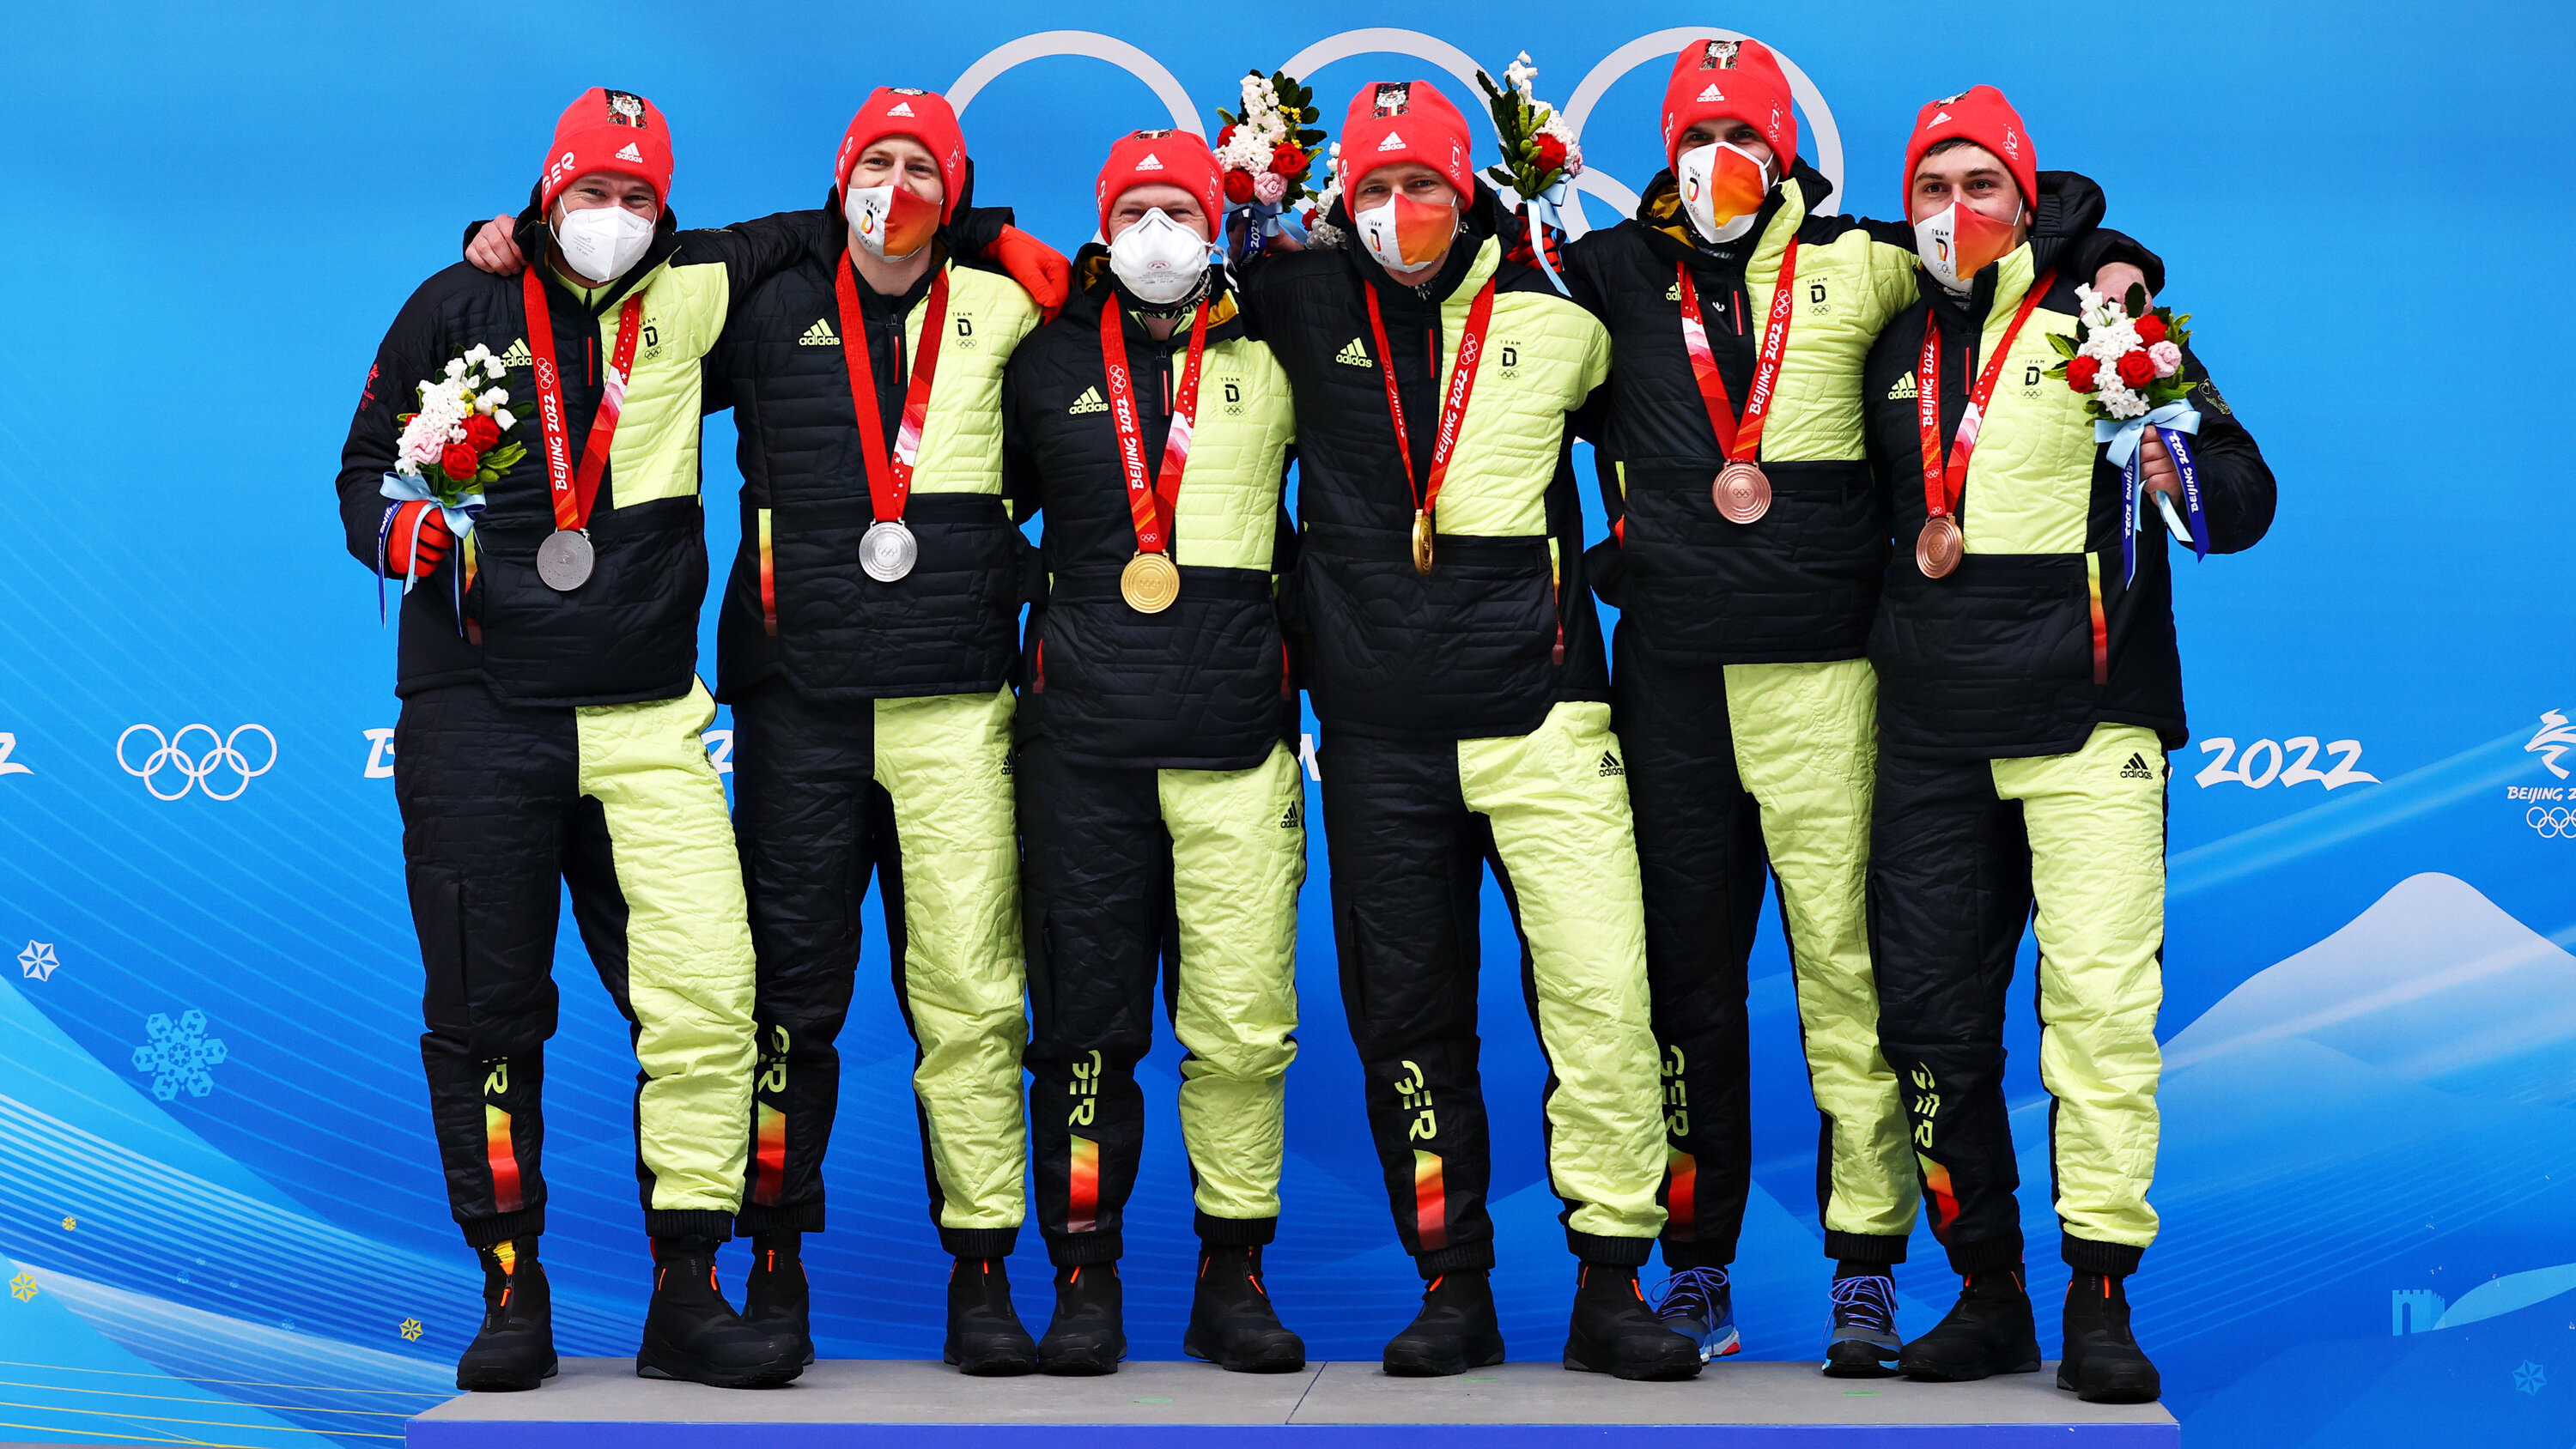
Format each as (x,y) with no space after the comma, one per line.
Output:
(538,439)
(1162,806)
(1744,557)
(1455,663)
(866,643)
(2030,685)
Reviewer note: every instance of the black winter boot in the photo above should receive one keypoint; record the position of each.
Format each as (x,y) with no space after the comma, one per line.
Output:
(1455,1331)
(774,1297)
(691,1332)
(985,1339)
(1232,1324)
(515,1348)
(1987,1332)
(1086,1335)
(2103,1364)
(1614,1333)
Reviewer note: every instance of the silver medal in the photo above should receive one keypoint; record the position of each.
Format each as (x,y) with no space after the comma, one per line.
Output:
(888,550)
(564,560)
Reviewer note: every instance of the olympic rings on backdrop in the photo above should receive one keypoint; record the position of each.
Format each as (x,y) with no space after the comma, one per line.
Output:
(222,753)
(2558,823)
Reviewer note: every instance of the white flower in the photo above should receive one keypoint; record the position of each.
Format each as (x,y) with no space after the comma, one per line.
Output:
(491,399)
(475,354)
(493,369)
(456,367)
(502,416)
(2167,358)
(2118,401)
(1519,74)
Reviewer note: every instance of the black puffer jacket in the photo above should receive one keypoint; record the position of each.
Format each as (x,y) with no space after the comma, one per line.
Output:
(1503,626)
(798,605)
(2036,637)
(631,632)
(1801,582)
(1204,684)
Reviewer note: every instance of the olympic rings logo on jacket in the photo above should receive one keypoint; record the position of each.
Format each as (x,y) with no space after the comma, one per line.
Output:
(195,770)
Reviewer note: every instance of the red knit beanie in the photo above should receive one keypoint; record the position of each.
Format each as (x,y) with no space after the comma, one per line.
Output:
(922,115)
(608,130)
(1392,121)
(1168,158)
(1979,114)
(1735,80)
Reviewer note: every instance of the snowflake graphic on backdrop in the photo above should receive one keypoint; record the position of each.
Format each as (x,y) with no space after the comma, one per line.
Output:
(2530,1377)
(38,960)
(179,1055)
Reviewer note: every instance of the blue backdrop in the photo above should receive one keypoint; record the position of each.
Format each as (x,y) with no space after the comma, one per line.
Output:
(216,1181)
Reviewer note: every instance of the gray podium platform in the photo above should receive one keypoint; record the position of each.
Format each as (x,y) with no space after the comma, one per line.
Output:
(886,1404)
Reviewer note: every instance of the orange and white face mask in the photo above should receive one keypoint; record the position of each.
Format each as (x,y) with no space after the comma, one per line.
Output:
(1723,187)
(1959,241)
(890,221)
(1404,234)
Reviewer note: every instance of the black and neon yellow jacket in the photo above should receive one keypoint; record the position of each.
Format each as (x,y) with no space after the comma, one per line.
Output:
(631,632)
(798,605)
(2034,638)
(1204,684)
(1503,626)
(1801,582)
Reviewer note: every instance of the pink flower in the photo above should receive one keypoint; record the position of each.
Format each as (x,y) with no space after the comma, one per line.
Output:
(2166,357)
(1268,187)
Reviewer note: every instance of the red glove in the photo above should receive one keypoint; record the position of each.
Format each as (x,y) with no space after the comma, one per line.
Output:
(414,556)
(1040,269)
(1520,251)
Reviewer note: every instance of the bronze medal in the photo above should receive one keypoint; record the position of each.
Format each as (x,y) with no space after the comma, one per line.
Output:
(1937,550)
(1742,492)
(1150,582)
(1421,542)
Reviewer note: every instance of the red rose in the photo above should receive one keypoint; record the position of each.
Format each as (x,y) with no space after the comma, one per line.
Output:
(481,433)
(459,462)
(1551,153)
(1238,186)
(1288,161)
(1222,137)
(2151,330)
(2082,373)
(2136,368)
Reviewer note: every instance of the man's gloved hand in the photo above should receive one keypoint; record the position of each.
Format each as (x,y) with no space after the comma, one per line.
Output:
(494,247)
(1521,251)
(1040,269)
(416,540)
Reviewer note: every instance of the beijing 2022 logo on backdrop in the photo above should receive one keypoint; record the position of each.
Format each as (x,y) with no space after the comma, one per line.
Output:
(1448,58)
(221,770)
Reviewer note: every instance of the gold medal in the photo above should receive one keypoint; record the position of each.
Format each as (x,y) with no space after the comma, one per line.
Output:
(1937,550)
(1421,541)
(1150,582)
(1742,492)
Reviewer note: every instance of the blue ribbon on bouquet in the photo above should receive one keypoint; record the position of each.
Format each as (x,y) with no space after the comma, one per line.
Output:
(2171,422)
(1547,209)
(1264,220)
(459,517)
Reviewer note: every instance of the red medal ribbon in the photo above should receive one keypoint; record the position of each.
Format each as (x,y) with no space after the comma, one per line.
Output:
(575,493)
(1155,504)
(1945,485)
(1453,407)
(889,475)
(1740,443)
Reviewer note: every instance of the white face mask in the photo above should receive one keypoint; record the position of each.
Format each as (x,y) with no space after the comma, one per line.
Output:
(601,242)
(1723,187)
(1957,242)
(1159,259)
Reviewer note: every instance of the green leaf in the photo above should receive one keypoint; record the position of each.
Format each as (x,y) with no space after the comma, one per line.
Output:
(2136,301)
(1309,113)
(2064,345)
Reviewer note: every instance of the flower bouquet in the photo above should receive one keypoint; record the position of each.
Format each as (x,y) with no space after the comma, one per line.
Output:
(452,447)
(1266,154)
(1540,155)
(2126,360)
